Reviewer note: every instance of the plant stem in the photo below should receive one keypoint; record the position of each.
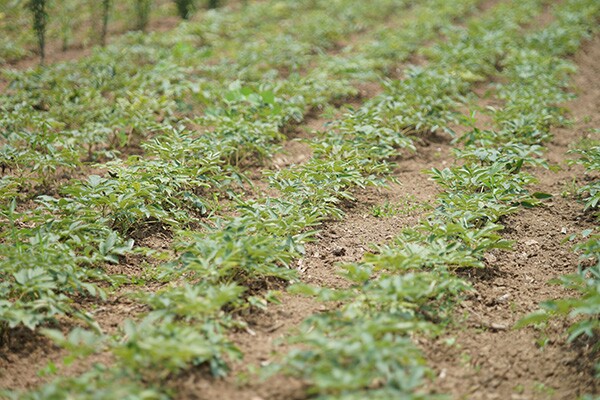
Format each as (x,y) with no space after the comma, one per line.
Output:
(105,14)
(40,18)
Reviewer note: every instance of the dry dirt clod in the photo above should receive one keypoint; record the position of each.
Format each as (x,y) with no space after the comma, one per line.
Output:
(502,299)
(274,327)
(490,258)
(301,265)
(338,251)
(498,327)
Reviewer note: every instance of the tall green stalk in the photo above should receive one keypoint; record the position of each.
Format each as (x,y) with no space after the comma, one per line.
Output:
(106,4)
(185,8)
(142,8)
(40,19)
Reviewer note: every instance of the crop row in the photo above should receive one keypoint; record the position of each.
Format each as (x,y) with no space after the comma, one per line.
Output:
(582,308)
(56,118)
(525,111)
(217,266)
(171,185)
(75,233)
(364,349)
(88,223)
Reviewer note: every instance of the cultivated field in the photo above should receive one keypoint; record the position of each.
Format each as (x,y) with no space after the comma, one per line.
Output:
(301,199)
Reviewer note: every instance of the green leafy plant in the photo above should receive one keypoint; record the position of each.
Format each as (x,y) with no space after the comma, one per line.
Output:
(99,383)
(378,359)
(590,159)
(234,252)
(204,103)
(154,349)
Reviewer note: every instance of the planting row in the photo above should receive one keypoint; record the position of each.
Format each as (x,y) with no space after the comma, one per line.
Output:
(57,118)
(173,185)
(218,268)
(364,349)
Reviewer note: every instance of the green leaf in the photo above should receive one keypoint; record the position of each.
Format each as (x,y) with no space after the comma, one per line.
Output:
(542,195)
(536,317)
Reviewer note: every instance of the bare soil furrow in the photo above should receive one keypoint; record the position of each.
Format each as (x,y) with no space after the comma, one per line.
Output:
(481,356)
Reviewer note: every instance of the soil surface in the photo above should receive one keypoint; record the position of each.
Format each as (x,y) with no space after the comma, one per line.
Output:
(480,355)
(487,359)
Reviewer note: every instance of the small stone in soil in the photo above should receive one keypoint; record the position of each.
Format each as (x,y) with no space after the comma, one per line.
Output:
(503,299)
(498,327)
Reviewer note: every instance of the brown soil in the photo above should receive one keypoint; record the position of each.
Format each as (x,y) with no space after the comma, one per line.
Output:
(338,242)
(486,360)
(490,360)
(480,356)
